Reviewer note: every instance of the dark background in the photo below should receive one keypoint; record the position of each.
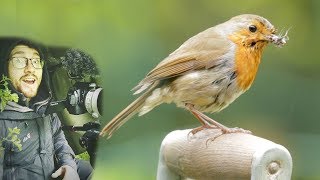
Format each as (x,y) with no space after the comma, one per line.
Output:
(128,38)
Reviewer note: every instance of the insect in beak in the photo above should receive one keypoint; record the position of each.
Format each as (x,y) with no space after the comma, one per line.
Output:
(279,40)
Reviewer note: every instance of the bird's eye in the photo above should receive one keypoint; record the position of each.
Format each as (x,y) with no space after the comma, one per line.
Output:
(252,28)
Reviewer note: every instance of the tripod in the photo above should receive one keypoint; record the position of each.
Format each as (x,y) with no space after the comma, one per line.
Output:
(89,139)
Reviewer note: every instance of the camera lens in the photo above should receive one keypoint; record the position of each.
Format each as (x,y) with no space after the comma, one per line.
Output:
(100,102)
(93,102)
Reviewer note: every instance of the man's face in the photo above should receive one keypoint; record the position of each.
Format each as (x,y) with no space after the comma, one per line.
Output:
(25,80)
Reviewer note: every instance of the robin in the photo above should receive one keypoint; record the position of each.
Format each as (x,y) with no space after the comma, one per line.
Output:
(206,73)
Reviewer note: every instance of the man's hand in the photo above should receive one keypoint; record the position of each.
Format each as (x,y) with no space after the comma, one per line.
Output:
(66,173)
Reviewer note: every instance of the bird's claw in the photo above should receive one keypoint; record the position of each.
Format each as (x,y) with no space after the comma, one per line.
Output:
(228,131)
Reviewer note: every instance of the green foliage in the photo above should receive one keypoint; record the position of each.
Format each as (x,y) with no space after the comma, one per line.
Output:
(5,93)
(12,137)
(84,156)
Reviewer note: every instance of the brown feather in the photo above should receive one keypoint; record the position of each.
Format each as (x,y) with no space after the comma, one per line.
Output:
(127,113)
(196,53)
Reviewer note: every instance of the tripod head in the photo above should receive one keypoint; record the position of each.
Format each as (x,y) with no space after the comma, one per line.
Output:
(89,139)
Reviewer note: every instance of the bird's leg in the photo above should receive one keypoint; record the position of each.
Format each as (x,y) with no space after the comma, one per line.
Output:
(207,122)
(224,129)
(204,123)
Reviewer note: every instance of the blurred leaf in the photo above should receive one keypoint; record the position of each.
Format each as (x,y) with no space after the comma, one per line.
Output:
(5,93)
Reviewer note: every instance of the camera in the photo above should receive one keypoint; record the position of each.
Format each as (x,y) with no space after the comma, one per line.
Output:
(73,77)
(84,97)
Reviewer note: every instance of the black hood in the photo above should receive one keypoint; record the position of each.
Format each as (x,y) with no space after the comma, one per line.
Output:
(44,95)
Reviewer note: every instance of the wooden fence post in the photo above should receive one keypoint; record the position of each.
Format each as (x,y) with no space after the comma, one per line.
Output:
(230,156)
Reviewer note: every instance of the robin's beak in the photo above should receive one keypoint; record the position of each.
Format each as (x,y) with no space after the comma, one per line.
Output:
(279,40)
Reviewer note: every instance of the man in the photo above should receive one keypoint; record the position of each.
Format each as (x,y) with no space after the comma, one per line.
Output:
(45,153)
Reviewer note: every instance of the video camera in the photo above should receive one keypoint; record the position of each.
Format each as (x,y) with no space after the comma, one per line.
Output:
(85,97)
(77,70)
(82,97)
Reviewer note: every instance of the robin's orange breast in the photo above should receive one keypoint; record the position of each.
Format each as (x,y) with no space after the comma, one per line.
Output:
(246,64)
(247,60)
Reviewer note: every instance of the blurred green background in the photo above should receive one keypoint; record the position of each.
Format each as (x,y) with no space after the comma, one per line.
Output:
(128,38)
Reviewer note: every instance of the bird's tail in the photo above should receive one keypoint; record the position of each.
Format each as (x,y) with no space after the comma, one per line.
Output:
(126,114)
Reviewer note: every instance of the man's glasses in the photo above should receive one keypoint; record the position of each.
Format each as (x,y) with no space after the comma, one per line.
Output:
(22,62)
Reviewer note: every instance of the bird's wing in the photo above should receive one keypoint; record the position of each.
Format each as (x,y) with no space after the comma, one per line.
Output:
(199,52)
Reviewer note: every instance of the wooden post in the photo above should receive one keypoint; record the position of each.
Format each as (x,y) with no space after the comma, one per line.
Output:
(229,156)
